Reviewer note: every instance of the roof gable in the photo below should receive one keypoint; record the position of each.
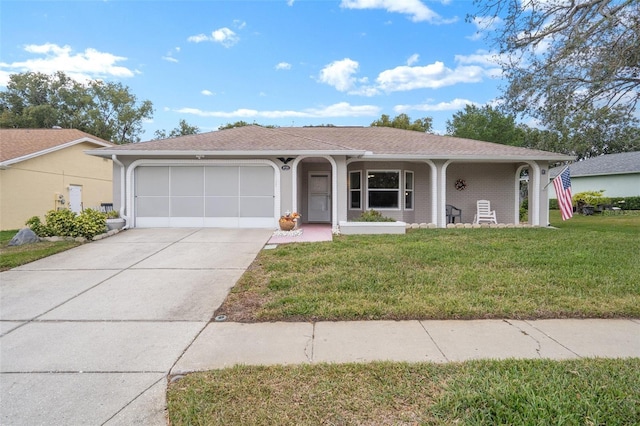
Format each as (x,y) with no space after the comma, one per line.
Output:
(21,144)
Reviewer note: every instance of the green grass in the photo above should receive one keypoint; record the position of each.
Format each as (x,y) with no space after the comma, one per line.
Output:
(587,267)
(513,392)
(11,257)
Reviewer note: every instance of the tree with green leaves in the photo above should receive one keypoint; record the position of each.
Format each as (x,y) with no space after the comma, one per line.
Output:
(485,124)
(183,129)
(244,123)
(595,131)
(402,121)
(105,109)
(565,57)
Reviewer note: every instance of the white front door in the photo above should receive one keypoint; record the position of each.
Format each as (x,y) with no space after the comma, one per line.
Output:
(75,198)
(319,208)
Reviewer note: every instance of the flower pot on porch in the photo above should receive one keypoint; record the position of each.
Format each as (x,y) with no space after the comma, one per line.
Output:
(289,221)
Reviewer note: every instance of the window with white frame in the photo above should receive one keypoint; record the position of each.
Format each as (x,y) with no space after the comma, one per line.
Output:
(408,190)
(355,190)
(383,189)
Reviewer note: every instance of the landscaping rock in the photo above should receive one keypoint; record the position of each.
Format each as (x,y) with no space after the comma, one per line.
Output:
(24,236)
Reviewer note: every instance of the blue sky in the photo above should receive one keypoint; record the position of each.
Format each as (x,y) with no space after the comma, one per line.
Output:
(273,62)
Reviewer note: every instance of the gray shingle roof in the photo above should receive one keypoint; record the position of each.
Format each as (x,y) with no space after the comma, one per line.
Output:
(17,143)
(610,164)
(370,141)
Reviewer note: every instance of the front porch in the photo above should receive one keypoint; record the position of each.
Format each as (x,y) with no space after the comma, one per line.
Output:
(335,190)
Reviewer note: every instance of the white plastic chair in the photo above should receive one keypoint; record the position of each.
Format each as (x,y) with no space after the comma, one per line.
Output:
(484,212)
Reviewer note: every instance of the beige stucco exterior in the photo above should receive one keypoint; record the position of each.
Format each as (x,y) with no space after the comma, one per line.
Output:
(31,187)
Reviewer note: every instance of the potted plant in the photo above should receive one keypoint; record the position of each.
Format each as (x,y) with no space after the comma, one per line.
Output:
(289,221)
(114,221)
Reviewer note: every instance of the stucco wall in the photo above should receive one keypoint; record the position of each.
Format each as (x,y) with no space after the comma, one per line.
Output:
(626,185)
(30,188)
(485,181)
(421,213)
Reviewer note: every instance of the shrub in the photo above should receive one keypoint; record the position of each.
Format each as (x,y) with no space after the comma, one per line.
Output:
(372,216)
(65,223)
(61,222)
(524,211)
(591,198)
(90,223)
(36,225)
(626,203)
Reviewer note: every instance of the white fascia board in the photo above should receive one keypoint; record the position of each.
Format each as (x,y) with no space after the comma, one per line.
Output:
(176,153)
(472,158)
(604,174)
(52,149)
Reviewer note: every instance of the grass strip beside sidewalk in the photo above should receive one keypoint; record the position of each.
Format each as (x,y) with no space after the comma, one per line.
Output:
(587,391)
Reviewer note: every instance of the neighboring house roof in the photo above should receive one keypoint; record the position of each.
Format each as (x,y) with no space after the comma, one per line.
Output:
(368,142)
(22,144)
(609,164)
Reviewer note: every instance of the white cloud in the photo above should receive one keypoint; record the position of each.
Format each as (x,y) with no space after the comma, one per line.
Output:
(239,24)
(207,92)
(198,38)
(341,109)
(414,8)
(481,57)
(339,74)
(224,36)
(469,69)
(169,56)
(283,66)
(432,76)
(454,105)
(290,2)
(80,66)
(413,59)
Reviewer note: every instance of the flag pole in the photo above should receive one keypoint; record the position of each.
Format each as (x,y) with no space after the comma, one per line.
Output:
(551,181)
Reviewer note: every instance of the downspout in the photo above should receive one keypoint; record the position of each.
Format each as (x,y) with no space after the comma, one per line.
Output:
(122,190)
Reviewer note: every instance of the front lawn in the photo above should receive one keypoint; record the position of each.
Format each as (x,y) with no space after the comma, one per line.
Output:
(587,267)
(11,257)
(512,392)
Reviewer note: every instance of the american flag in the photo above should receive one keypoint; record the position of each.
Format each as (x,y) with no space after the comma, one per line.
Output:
(562,184)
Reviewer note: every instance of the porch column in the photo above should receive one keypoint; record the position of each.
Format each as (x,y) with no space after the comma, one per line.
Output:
(442,192)
(534,197)
(340,199)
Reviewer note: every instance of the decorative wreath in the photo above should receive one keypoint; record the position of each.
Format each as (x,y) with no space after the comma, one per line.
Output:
(460,184)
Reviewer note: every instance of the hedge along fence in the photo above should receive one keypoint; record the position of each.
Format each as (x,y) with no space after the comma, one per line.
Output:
(625,203)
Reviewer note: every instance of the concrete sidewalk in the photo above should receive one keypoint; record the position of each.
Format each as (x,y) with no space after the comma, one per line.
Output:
(223,345)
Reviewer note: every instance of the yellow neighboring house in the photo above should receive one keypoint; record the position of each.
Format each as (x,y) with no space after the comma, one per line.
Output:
(47,169)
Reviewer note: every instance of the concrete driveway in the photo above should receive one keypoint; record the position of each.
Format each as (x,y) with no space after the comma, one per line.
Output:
(88,336)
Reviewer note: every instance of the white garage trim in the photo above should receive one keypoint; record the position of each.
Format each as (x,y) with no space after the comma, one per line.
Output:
(242,222)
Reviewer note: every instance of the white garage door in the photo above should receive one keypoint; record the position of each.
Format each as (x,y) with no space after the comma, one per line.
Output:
(204,196)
